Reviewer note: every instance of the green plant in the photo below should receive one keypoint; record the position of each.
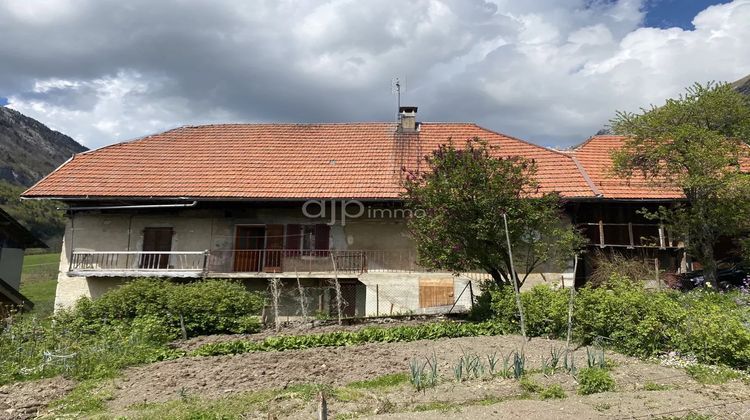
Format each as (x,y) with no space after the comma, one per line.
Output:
(420,377)
(653,386)
(384,381)
(492,363)
(552,392)
(594,380)
(595,358)
(634,321)
(203,307)
(707,374)
(529,385)
(519,364)
(346,338)
(569,363)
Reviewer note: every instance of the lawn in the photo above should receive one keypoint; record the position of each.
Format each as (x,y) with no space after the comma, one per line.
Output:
(39,280)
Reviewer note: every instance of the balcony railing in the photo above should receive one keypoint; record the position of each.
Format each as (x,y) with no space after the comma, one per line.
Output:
(628,235)
(206,263)
(179,263)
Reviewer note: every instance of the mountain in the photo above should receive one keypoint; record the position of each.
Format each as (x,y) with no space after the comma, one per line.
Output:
(743,85)
(29,150)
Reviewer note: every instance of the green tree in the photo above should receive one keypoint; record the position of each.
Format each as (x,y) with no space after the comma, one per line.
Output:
(41,217)
(461,199)
(696,143)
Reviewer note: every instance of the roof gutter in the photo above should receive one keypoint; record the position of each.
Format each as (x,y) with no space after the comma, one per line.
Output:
(137,206)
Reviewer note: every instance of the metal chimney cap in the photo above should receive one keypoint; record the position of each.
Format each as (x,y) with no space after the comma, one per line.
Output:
(407,110)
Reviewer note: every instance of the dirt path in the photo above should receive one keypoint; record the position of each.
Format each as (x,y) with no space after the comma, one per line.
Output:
(217,377)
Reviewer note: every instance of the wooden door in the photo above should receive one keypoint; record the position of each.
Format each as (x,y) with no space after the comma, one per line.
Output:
(274,246)
(248,248)
(154,240)
(435,292)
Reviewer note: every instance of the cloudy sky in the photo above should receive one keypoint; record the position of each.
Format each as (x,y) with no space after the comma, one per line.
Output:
(549,71)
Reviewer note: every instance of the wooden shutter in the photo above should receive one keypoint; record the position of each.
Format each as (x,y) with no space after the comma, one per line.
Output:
(274,245)
(322,231)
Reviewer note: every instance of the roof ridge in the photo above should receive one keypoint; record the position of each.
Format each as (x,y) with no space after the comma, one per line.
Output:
(522,140)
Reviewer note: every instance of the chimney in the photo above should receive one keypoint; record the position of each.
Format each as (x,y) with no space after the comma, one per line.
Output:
(407,119)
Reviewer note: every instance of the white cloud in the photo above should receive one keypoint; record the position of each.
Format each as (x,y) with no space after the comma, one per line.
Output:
(551,71)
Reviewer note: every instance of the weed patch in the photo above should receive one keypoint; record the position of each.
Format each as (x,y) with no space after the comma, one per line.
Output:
(594,380)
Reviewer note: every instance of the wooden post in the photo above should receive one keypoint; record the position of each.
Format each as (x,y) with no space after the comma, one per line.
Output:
(322,406)
(630,233)
(601,234)
(662,245)
(656,273)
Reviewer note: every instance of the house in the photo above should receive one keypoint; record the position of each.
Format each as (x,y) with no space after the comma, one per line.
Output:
(302,203)
(14,239)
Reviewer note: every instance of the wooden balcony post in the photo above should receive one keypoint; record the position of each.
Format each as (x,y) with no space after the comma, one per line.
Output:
(601,234)
(661,237)
(630,233)
(205,263)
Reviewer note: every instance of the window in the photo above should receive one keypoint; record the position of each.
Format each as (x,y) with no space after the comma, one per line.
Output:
(308,237)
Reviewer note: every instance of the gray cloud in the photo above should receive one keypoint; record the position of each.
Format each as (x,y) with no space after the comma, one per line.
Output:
(548,71)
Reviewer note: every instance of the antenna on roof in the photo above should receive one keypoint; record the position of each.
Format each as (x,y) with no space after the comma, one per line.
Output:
(396,89)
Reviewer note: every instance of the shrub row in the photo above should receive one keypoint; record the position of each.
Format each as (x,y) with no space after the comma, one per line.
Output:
(350,338)
(206,307)
(714,327)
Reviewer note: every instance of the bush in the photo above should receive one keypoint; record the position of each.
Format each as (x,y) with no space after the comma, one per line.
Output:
(207,307)
(546,310)
(623,315)
(553,392)
(594,380)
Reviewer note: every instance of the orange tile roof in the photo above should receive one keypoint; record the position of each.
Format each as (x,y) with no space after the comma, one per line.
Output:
(594,157)
(301,161)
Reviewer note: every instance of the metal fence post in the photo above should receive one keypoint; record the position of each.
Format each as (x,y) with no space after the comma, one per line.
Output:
(471,294)
(377,300)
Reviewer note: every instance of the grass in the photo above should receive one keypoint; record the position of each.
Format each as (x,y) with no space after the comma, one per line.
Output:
(39,281)
(87,398)
(653,386)
(707,374)
(385,381)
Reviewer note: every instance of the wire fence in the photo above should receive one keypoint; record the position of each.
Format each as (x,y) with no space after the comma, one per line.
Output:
(304,299)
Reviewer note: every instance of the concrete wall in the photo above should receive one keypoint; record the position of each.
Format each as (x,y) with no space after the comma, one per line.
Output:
(11,264)
(214,229)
